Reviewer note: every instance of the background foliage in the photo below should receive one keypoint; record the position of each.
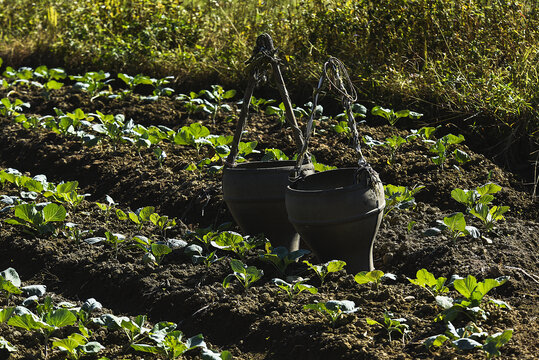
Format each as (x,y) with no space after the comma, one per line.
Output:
(470,60)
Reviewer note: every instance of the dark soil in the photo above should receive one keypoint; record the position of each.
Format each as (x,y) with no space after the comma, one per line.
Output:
(260,323)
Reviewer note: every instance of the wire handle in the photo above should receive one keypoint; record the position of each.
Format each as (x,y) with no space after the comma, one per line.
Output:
(264,53)
(335,74)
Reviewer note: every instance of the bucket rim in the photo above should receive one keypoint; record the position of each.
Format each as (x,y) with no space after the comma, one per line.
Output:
(348,188)
(262,165)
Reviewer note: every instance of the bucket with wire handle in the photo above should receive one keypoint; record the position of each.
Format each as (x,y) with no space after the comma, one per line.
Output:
(338,212)
(255,191)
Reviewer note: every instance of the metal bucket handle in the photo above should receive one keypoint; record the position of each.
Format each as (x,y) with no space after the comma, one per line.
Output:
(264,53)
(336,75)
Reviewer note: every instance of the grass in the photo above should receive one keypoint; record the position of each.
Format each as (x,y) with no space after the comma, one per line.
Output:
(473,60)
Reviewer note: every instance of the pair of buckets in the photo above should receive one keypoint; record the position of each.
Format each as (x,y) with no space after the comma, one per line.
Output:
(336,213)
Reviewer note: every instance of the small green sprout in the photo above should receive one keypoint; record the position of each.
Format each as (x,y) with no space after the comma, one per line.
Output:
(246,275)
(426,280)
(232,241)
(392,325)
(375,277)
(391,116)
(280,257)
(115,240)
(107,207)
(333,309)
(441,148)
(76,346)
(171,345)
(10,283)
(393,143)
(400,197)
(323,270)
(295,287)
(473,293)
(37,220)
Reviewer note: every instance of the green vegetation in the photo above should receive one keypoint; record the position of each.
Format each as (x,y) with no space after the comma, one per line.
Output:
(411,49)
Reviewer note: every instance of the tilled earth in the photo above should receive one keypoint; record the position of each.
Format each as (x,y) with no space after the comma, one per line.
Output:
(260,323)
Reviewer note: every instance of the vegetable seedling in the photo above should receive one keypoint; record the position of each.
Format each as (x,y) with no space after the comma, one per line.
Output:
(232,241)
(295,287)
(426,280)
(115,240)
(10,283)
(246,275)
(36,220)
(400,197)
(392,325)
(323,270)
(391,116)
(473,293)
(171,345)
(76,346)
(280,257)
(375,277)
(333,309)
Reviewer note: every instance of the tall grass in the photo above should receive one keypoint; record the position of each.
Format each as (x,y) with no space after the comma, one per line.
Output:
(473,59)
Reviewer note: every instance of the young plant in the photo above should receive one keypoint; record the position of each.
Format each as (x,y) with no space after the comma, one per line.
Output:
(278,111)
(45,322)
(114,240)
(455,224)
(393,143)
(392,325)
(375,277)
(10,283)
(171,344)
(107,207)
(441,148)
(197,256)
(163,223)
(333,309)
(426,280)
(246,275)
(160,88)
(323,270)
(141,216)
(132,82)
(257,103)
(480,195)
(280,257)
(217,95)
(473,293)
(66,192)
(392,117)
(294,287)
(38,220)
(400,197)
(74,232)
(232,241)
(92,82)
(76,346)
(12,109)
(49,77)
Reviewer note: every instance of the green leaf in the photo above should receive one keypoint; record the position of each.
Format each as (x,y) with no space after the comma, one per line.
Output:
(160,249)
(335,265)
(372,322)
(436,340)
(92,347)
(6,313)
(147,348)
(60,318)
(466,286)
(455,222)
(27,322)
(54,212)
(26,212)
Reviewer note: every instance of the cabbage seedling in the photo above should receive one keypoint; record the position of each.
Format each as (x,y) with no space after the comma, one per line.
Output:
(480,195)
(280,257)
(294,288)
(473,293)
(218,95)
(375,277)
(141,215)
(107,207)
(14,108)
(92,82)
(37,221)
(400,197)
(257,103)
(172,346)
(333,309)
(246,275)
(77,345)
(232,241)
(115,240)
(46,323)
(391,325)
(323,270)
(441,147)
(162,222)
(426,280)
(391,116)
(10,283)
(393,143)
